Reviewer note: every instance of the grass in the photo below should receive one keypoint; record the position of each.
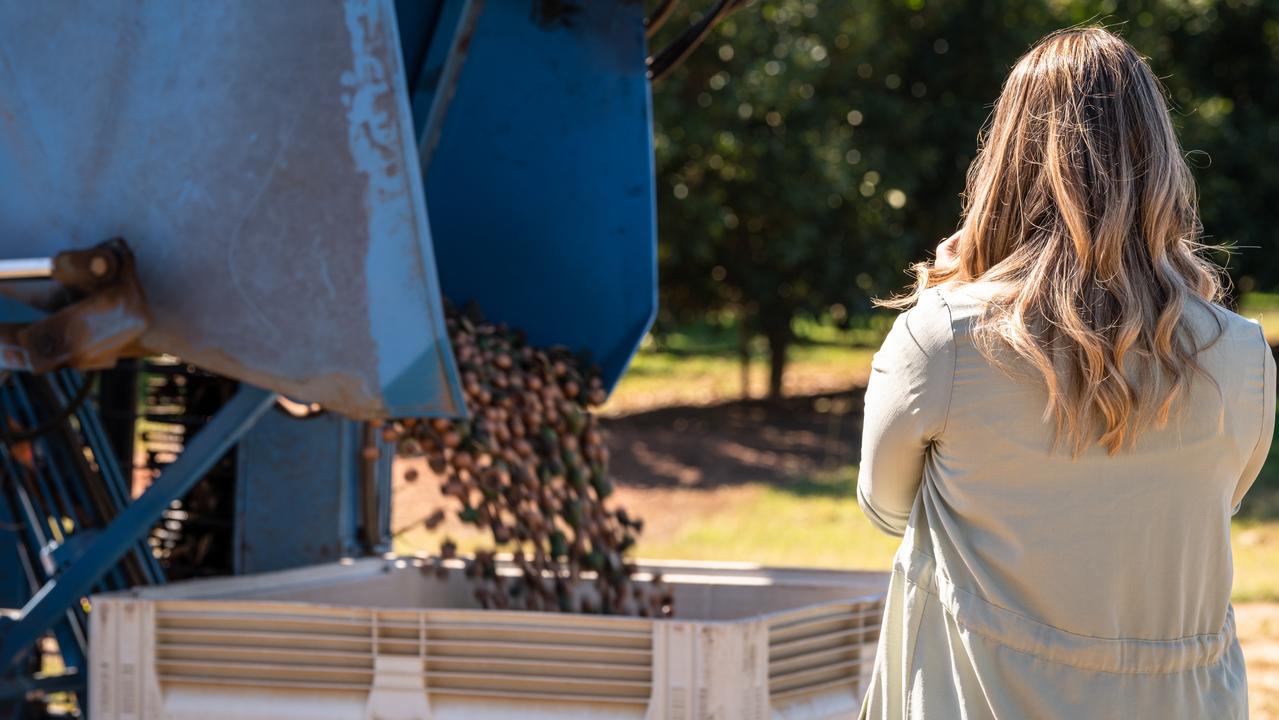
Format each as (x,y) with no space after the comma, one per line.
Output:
(1263,307)
(817,523)
(659,379)
(812,523)
(701,365)
(1256,549)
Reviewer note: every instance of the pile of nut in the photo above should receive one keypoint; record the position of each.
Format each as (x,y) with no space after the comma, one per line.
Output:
(530,467)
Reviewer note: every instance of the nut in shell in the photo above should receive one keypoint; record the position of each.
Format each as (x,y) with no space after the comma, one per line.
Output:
(530,469)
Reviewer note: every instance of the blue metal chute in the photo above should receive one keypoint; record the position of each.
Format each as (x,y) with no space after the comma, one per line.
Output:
(541,186)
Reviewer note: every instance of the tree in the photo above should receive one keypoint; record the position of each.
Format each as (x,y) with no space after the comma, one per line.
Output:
(810,150)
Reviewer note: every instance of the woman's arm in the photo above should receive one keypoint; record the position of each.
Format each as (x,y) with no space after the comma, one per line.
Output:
(907,403)
(1262,448)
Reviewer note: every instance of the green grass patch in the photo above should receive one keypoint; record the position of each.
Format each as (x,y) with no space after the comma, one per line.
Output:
(812,523)
(1265,308)
(817,523)
(1264,498)
(1259,302)
(1256,545)
(663,378)
(720,336)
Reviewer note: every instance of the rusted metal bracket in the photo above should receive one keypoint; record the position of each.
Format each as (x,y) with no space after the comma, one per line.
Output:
(98,313)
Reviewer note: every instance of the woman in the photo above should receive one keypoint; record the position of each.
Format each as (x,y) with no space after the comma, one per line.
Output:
(1063,422)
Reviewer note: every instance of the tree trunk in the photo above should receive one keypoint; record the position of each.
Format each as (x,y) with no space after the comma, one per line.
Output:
(744,356)
(779,338)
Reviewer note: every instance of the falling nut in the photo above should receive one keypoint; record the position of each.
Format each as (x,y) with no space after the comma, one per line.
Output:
(530,468)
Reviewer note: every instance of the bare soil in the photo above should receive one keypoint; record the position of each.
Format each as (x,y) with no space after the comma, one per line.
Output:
(735,443)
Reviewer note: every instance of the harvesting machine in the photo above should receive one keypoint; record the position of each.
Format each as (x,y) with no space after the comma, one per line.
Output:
(227,231)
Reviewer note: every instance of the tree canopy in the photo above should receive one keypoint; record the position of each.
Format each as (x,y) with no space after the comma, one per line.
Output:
(810,150)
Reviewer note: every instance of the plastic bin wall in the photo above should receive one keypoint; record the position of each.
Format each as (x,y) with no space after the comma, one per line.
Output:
(384,640)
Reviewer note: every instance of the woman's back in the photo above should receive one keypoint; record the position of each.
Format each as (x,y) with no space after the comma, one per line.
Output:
(1063,421)
(1092,586)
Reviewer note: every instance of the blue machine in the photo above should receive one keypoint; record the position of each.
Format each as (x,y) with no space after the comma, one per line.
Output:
(298,186)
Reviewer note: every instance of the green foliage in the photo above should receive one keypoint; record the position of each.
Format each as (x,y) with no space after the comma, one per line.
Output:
(810,150)
(1262,500)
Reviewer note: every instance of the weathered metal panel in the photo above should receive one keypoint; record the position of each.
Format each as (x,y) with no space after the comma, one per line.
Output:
(259,158)
(283,517)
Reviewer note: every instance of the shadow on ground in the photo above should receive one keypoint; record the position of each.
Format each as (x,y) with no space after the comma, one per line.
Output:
(790,443)
(796,444)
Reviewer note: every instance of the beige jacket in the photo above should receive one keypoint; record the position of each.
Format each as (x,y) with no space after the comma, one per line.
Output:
(1029,585)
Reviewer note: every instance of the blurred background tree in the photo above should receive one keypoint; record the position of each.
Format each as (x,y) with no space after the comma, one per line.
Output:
(810,150)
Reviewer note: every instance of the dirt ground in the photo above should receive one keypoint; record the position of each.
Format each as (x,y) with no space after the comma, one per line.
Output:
(734,443)
(1258,625)
(700,459)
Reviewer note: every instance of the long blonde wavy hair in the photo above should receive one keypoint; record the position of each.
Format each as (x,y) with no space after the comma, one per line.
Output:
(1080,204)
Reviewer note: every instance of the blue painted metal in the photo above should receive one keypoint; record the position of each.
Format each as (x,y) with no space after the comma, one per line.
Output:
(18,313)
(379,479)
(15,312)
(541,190)
(113,477)
(53,491)
(53,518)
(260,160)
(416,20)
(16,566)
(30,527)
(447,38)
(312,473)
(13,688)
(60,476)
(65,591)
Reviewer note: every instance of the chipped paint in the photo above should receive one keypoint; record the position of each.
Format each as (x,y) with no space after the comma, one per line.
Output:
(378,135)
(267,183)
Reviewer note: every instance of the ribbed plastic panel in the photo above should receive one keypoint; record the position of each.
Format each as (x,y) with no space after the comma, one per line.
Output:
(536,656)
(378,639)
(461,653)
(822,647)
(268,645)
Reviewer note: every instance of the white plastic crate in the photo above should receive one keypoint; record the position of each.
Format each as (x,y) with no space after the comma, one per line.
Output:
(378,639)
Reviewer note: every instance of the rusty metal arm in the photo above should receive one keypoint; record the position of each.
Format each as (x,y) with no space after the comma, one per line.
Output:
(101,314)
